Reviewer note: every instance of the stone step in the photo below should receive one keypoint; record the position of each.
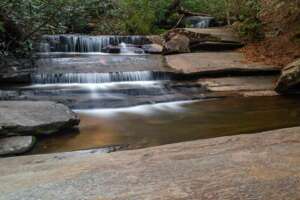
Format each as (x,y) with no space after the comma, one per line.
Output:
(248,167)
(217,64)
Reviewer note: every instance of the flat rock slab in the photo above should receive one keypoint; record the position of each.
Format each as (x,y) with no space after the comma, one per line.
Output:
(241,83)
(216,63)
(16,145)
(260,166)
(223,34)
(34,117)
(94,63)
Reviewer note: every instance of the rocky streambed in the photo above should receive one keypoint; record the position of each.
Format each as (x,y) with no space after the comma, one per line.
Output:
(117,75)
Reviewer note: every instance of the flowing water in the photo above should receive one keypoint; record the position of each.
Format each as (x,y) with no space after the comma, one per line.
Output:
(158,124)
(199,22)
(84,43)
(131,101)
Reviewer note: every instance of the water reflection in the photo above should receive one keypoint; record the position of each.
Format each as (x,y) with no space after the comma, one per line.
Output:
(145,126)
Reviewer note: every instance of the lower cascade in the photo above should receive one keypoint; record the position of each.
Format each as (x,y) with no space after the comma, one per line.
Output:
(98,77)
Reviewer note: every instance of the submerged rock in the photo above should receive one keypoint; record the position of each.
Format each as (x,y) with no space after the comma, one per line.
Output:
(112,49)
(16,145)
(289,79)
(34,117)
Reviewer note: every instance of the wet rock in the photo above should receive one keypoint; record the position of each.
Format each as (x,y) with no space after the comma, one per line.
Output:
(153,48)
(177,44)
(132,49)
(34,117)
(16,145)
(156,39)
(112,49)
(15,71)
(289,79)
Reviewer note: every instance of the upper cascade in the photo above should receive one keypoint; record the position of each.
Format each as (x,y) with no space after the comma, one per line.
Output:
(85,43)
(200,22)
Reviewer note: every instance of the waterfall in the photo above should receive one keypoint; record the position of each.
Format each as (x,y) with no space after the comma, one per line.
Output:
(199,21)
(84,43)
(98,77)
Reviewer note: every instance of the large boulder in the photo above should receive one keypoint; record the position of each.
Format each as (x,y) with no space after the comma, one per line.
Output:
(289,79)
(177,44)
(34,118)
(16,145)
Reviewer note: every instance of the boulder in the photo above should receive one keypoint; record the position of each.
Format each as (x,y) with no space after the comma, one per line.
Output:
(153,48)
(156,39)
(16,145)
(34,118)
(289,79)
(177,44)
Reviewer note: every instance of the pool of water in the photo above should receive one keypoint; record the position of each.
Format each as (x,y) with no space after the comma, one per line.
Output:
(165,123)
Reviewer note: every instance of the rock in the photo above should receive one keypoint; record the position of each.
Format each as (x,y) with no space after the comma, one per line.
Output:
(262,166)
(214,34)
(16,145)
(153,48)
(156,39)
(218,64)
(289,79)
(15,71)
(220,39)
(112,49)
(239,84)
(34,117)
(177,44)
(104,64)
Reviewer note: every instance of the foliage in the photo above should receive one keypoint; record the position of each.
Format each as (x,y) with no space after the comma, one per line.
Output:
(37,17)
(246,14)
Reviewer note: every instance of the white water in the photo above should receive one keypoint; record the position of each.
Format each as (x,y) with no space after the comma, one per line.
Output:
(98,77)
(84,43)
(199,21)
(144,110)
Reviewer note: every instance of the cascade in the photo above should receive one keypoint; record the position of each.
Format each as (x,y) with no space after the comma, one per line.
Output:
(199,21)
(98,77)
(84,43)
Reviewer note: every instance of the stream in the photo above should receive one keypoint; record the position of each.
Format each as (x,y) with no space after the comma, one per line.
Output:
(130,101)
(165,123)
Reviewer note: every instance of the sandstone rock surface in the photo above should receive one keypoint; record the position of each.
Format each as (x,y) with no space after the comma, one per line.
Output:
(34,117)
(290,78)
(213,63)
(16,145)
(261,166)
